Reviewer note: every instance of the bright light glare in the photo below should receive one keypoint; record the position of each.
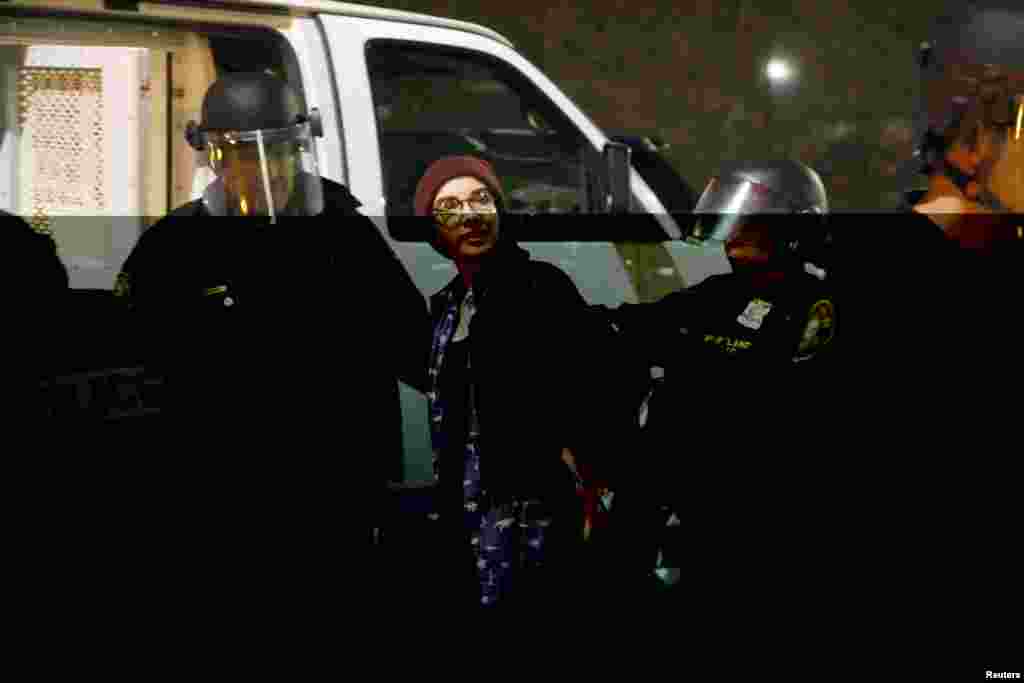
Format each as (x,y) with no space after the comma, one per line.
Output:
(1020,117)
(778,70)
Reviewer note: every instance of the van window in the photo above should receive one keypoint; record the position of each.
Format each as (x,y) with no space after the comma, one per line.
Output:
(92,147)
(433,101)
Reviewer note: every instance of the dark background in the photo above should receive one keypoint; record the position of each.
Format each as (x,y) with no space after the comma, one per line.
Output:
(692,72)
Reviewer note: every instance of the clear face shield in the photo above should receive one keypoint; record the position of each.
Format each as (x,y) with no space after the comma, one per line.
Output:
(724,208)
(263,173)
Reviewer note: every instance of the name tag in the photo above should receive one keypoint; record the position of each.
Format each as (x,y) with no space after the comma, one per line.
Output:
(222,289)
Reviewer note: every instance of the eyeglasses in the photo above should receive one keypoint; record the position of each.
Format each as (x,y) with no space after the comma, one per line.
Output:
(446,210)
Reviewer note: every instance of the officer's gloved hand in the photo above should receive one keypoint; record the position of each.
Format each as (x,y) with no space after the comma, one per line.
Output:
(627,319)
(656,331)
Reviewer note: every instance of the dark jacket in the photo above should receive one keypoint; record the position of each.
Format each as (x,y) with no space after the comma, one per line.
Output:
(919,308)
(532,360)
(703,321)
(252,493)
(931,378)
(936,335)
(731,351)
(32,265)
(727,427)
(34,283)
(291,337)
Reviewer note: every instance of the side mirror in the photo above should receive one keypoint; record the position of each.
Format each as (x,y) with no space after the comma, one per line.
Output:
(618,167)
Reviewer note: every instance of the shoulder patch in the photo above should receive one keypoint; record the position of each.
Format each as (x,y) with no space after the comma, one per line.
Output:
(819,329)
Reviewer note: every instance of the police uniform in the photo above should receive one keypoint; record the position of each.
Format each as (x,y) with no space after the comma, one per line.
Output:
(308,320)
(282,322)
(737,410)
(736,318)
(932,359)
(732,340)
(745,380)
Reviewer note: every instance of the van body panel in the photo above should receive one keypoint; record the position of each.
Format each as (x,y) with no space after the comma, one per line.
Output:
(307,40)
(250,10)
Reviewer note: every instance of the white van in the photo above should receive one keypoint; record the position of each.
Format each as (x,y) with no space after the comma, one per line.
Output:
(95,96)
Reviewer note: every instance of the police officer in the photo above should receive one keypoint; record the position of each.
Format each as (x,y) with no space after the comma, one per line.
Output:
(971,125)
(282,334)
(972,152)
(731,349)
(942,280)
(970,149)
(928,360)
(769,217)
(963,187)
(972,145)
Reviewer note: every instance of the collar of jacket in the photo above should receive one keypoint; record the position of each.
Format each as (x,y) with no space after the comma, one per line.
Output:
(507,259)
(337,197)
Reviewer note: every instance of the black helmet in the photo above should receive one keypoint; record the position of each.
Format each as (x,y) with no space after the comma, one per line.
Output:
(765,189)
(259,143)
(784,186)
(972,92)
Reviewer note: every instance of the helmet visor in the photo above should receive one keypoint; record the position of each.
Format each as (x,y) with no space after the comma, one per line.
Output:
(721,209)
(265,173)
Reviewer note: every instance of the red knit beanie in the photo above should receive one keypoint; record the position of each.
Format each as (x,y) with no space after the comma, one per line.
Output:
(446,168)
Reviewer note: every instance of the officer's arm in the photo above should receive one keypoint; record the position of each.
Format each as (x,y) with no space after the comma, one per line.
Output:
(147,283)
(53,274)
(404,317)
(652,331)
(600,386)
(399,312)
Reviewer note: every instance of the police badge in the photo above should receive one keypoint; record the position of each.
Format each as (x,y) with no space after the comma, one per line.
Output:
(754,314)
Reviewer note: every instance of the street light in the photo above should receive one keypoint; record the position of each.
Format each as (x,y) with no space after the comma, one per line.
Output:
(778,71)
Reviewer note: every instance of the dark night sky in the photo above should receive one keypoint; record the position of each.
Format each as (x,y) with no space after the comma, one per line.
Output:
(692,71)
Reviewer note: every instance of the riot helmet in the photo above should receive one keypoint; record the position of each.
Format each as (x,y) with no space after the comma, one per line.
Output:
(742,205)
(972,97)
(258,141)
